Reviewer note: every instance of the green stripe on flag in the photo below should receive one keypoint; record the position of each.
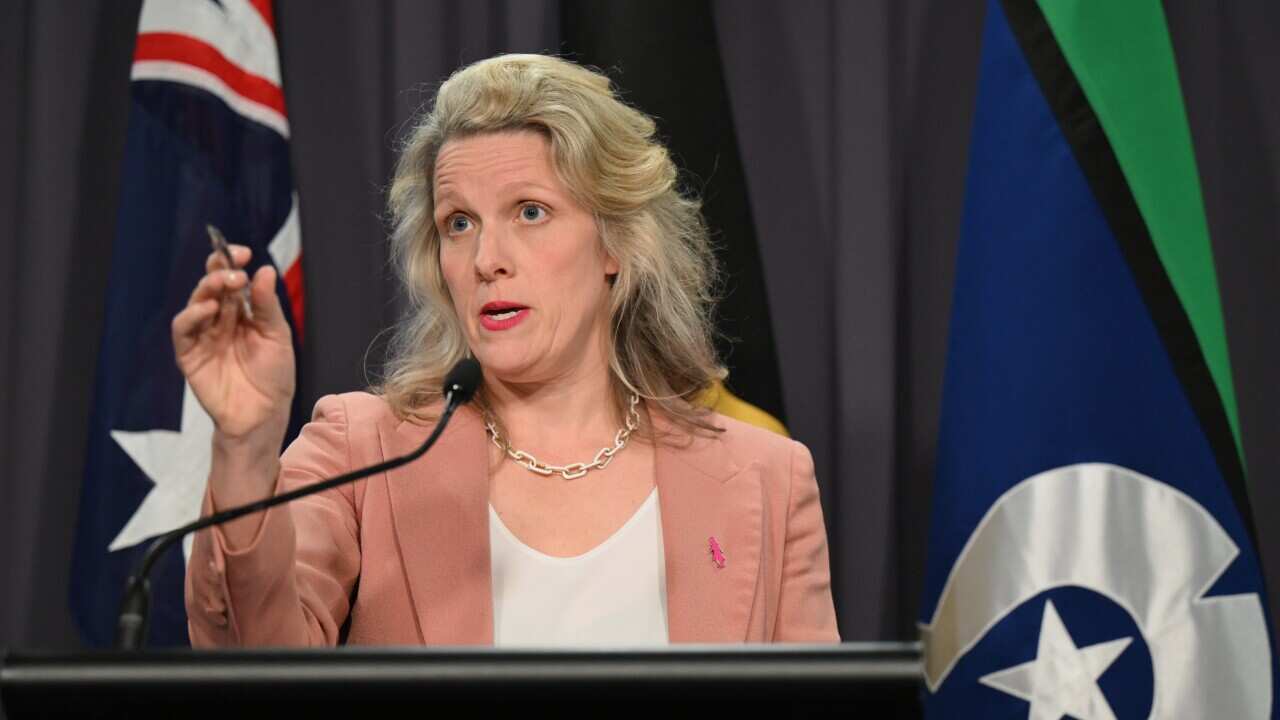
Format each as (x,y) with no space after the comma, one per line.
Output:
(1121,54)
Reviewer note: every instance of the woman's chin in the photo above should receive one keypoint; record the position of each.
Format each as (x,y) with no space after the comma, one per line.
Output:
(507,369)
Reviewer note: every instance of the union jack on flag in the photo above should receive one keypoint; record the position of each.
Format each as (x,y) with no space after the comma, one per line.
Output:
(208,144)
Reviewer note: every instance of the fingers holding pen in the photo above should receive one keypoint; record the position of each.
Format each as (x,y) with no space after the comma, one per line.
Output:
(226,297)
(240,254)
(211,308)
(217,283)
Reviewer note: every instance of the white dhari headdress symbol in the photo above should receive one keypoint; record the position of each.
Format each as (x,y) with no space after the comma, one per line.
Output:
(1143,544)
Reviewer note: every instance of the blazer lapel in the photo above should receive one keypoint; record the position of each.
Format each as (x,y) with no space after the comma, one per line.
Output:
(439,510)
(704,494)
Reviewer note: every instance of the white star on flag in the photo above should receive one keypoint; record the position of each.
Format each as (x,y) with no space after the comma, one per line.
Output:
(178,464)
(1063,679)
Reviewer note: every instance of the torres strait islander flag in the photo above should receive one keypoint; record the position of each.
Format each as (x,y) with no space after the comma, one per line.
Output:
(207,145)
(1091,553)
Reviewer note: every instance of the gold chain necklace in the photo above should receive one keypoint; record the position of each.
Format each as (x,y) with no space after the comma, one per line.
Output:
(573,470)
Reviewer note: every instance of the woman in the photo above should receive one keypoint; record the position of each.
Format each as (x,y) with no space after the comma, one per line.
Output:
(583,499)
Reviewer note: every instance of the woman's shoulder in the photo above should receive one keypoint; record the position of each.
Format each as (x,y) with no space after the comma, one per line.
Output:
(367,412)
(363,428)
(734,445)
(360,409)
(748,443)
(350,407)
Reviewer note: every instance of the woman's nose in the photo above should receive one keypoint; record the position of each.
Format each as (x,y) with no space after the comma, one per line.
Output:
(492,260)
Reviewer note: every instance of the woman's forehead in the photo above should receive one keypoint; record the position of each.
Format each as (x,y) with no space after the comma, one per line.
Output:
(519,151)
(495,165)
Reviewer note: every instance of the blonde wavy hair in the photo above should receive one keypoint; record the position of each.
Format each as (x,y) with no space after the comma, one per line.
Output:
(606,153)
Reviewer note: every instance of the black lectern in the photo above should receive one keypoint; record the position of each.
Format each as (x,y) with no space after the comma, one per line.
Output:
(877,680)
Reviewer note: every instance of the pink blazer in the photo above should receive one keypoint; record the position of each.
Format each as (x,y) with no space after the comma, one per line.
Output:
(406,555)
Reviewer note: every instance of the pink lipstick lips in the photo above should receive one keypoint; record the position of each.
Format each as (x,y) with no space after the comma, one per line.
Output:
(502,315)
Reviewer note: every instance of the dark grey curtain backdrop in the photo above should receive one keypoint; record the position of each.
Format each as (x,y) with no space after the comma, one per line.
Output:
(852,122)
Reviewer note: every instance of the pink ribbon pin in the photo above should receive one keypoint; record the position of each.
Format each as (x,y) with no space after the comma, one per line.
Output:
(717,556)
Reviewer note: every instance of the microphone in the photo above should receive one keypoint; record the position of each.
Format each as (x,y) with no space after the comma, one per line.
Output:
(462,382)
(460,386)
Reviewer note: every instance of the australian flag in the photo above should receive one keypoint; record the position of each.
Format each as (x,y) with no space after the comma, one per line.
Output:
(1091,554)
(208,144)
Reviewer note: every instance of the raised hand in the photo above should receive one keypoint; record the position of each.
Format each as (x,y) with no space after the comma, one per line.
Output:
(241,370)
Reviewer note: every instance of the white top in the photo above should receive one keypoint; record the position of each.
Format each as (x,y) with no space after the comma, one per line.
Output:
(613,595)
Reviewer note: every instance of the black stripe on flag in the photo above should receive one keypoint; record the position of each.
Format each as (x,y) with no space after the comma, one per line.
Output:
(1101,169)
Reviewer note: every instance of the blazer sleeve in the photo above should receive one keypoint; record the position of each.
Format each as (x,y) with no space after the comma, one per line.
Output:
(291,586)
(806,612)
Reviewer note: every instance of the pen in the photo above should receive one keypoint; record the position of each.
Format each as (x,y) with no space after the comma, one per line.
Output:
(220,245)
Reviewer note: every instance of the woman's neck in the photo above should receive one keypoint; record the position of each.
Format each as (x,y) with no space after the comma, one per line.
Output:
(563,415)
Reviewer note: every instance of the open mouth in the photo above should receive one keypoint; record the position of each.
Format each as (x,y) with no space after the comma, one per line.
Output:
(502,315)
(500,310)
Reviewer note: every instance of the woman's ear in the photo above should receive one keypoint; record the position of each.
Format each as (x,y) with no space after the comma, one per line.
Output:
(611,266)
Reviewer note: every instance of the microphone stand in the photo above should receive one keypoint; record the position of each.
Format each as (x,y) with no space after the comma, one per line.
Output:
(131,626)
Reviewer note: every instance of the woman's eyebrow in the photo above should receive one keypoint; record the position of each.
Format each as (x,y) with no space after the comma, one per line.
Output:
(517,186)
(444,200)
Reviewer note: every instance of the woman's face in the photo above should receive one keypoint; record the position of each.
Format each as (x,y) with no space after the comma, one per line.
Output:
(523,260)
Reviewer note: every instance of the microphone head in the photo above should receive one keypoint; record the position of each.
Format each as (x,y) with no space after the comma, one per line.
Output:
(463,381)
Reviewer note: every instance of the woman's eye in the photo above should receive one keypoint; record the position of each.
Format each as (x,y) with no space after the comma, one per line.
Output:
(532,213)
(459,224)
